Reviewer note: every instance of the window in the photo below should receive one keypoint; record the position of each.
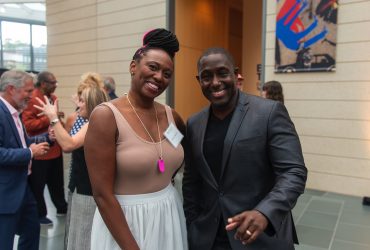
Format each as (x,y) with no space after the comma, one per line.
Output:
(39,38)
(23,46)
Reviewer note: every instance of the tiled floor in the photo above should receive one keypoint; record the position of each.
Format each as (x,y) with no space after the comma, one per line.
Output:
(328,221)
(51,237)
(324,221)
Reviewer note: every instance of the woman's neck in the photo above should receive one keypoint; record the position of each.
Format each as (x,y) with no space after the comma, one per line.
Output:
(139,102)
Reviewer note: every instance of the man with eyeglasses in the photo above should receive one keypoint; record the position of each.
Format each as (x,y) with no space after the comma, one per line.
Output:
(47,169)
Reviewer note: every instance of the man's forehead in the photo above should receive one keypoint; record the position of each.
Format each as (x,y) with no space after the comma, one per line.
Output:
(51,76)
(28,84)
(219,60)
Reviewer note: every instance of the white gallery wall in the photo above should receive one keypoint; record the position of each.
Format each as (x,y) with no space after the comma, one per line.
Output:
(331,110)
(97,35)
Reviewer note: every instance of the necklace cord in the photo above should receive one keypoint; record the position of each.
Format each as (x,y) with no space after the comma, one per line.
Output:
(146,130)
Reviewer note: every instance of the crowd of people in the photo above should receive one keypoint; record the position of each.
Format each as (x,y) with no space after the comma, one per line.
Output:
(241,156)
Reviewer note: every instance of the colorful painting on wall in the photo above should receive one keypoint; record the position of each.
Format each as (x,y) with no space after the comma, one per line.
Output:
(306,35)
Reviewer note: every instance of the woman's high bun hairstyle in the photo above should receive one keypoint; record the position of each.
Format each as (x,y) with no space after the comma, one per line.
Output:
(160,39)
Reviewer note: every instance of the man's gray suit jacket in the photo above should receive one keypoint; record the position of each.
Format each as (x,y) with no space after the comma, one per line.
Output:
(262,169)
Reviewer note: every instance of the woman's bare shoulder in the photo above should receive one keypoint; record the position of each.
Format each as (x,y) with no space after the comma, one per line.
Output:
(178,120)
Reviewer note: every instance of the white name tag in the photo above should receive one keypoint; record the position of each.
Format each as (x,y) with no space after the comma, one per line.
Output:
(173,135)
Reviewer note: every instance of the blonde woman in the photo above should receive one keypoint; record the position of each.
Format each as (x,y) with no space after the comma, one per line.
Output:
(90,93)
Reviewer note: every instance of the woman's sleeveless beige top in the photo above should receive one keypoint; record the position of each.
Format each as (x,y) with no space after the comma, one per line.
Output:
(136,159)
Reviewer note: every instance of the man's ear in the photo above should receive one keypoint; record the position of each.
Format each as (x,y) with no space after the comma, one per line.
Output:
(9,88)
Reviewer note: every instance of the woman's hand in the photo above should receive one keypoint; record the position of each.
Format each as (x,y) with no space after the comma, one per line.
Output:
(48,109)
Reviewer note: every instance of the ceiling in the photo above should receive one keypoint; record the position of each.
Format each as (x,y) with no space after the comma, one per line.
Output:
(30,10)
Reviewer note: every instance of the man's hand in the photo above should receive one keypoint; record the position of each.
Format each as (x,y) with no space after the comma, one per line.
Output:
(51,135)
(39,149)
(249,225)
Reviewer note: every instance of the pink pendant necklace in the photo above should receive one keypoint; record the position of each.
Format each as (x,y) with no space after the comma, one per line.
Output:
(160,162)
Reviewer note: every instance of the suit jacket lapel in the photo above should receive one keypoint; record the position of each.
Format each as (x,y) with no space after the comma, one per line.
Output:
(235,123)
(200,133)
(10,119)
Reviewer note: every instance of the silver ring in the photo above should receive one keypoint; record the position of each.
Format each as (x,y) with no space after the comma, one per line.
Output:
(248,232)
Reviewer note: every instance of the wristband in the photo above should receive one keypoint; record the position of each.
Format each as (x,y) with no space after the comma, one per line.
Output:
(53,122)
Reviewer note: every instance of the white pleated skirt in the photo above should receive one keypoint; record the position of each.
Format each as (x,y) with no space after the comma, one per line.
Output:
(156,221)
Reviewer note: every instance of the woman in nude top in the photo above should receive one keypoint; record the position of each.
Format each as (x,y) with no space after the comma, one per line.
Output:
(131,162)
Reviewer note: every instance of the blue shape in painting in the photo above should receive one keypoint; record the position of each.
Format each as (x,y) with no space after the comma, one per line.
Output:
(294,40)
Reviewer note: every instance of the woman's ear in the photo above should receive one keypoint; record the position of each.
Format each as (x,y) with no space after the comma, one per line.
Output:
(132,68)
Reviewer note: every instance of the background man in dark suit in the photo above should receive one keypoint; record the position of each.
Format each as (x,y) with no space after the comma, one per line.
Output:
(244,168)
(18,211)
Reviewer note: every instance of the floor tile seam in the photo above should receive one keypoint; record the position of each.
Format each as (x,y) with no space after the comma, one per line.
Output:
(336,226)
(356,225)
(321,198)
(357,213)
(321,212)
(353,214)
(306,245)
(304,210)
(315,227)
(353,242)
(356,210)
(346,197)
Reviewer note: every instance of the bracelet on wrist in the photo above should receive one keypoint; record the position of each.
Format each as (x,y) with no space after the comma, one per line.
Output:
(54,121)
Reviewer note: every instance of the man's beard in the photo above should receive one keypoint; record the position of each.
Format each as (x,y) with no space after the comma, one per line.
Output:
(22,105)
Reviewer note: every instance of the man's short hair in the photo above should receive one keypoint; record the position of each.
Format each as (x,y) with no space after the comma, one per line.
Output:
(216,50)
(42,77)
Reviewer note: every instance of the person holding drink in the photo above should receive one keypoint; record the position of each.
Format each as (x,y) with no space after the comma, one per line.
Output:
(18,210)
(90,93)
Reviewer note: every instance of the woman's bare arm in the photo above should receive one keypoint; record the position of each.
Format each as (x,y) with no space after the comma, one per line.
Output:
(100,154)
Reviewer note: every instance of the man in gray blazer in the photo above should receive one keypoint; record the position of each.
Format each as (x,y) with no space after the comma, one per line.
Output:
(244,166)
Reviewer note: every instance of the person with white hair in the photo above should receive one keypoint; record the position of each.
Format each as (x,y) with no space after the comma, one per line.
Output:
(18,210)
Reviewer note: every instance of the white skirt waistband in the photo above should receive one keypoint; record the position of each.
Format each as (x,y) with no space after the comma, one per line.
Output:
(137,199)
